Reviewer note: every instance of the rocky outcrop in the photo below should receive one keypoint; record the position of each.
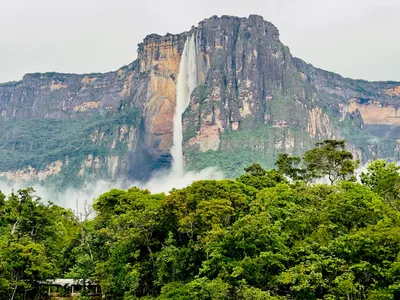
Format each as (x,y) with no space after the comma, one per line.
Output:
(159,59)
(373,112)
(29,173)
(319,124)
(63,96)
(371,105)
(250,81)
(252,98)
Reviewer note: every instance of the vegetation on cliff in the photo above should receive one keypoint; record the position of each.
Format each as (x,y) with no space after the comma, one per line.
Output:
(268,234)
(38,142)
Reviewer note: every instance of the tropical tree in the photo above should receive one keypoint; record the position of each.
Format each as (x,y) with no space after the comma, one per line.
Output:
(384,179)
(33,240)
(330,159)
(289,166)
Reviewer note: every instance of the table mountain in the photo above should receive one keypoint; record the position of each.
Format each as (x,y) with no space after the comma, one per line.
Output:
(253,100)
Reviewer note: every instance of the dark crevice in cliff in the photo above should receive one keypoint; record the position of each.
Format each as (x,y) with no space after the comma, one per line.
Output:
(234,70)
(234,74)
(260,118)
(142,164)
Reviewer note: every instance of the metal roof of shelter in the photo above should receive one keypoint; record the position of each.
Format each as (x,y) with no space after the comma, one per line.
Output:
(67,282)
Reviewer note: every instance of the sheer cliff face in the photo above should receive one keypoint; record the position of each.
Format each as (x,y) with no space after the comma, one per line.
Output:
(253,100)
(64,96)
(249,80)
(257,100)
(159,59)
(374,103)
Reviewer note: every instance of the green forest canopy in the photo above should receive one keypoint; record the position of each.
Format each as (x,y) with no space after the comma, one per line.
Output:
(269,234)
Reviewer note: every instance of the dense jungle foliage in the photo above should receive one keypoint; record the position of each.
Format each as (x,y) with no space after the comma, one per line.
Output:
(269,234)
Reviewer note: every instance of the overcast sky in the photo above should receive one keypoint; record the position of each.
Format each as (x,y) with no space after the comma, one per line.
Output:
(356,38)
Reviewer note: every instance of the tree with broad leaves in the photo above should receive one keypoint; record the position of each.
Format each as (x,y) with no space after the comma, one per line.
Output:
(330,159)
(289,166)
(384,179)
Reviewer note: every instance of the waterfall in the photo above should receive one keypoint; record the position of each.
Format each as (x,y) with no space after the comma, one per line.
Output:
(186,83)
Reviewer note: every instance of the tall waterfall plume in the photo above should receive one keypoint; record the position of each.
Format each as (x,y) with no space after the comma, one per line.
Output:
(186,83)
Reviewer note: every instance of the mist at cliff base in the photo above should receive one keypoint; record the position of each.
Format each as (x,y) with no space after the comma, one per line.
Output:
(75,198)
(163,182)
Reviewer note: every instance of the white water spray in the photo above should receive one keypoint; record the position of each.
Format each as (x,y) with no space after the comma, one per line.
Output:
(186,83)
